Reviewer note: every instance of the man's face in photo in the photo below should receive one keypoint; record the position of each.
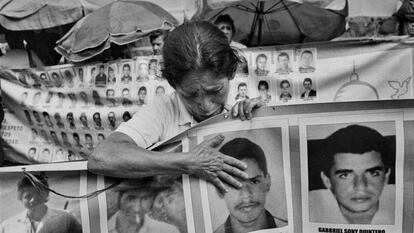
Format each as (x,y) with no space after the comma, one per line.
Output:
(261,63)
(307,85)
(285,87)
(97,119)
(242,90)
(110,93)
(70,118)
(126,70)
(125,93)
(160,91)
(263,90)
(357,181)
(37,116)
(306,60)
(142,94)
(46,153)
(101,70)
(88,139)
(247,204)
(134,204)
(32,153)
(76,138)
(283,61)
(31,198)
(226,29)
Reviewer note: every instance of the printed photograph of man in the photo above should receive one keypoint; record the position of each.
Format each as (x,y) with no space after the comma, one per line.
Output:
(59,156)
(60,100)
(91,80)
(69,76)
(158,74)
(56,79)
(46,156)
(23,98)
(131,211)
(142,72)
(84,98)
(80,76)
(261,65)
(285,91)
(261,201)
(45,137)
(77,141)
(84,120)
(28,117)
(73,99)
(45,80)
(96,98)
(111,75)
(49,97)
(159,91)
(30,208)
(142,96)
(71,120)
(32,153)
(264,94)
(47,119)
(284,64)
(34,136)
(98,121)
(55,138)
(110,97)
(100,79)
(89,141)
(111,120)
(241,92)
(306,63)
(356,183)
(126,74)
(58,120)
(101,137)
(36,98)
(309,93)
(152,67)
(126,98)
(37,118)
(65,139)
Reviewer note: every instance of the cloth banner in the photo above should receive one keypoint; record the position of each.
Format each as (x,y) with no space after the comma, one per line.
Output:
(61,113)
(284,149)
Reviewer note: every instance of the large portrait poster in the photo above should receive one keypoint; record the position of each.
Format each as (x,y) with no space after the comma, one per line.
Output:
(352,172)
(264,200)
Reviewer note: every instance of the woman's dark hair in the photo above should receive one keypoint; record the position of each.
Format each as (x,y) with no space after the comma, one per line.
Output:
(197,47)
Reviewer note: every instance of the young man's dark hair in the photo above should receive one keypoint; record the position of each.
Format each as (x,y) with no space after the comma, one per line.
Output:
(154,35)
(283,82)
(261,56)
(307,80)
(26,183)
(241,85)
(263,83)
(203,48)
(283,54)
(355,139)
(142,89)
(243,148)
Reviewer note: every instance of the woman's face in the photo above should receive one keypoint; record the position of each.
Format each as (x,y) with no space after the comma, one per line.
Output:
(203,95)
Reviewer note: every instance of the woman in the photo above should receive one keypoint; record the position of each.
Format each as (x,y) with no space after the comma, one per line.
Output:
(198,64)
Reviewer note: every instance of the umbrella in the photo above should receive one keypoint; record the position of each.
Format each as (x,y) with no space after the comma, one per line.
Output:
(271,22)
(120,22)
(20,15)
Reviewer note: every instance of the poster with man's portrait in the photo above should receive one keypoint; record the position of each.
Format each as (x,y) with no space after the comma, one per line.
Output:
(284,62)
(261,63)
(31,207)
(264,199)
(352,171)
(306,60)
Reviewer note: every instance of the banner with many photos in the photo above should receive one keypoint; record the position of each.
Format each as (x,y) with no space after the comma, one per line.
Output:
(60,113)
(337,168)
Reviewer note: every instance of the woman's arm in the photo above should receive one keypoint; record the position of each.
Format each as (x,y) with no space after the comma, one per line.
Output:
(119,156)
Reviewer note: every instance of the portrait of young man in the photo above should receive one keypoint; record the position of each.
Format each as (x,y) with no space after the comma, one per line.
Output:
(130,205)
(261,201)
(31,209)
(306,62)
(261,65)
(284,65)
(356,183)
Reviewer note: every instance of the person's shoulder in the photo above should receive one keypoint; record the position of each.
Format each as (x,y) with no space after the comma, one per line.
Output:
(221,229)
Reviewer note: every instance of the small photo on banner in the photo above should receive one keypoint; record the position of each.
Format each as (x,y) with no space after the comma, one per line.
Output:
(260,63)
(142,95)
(266,91)
(352,174)
(306,59)
(126,69)
(285,89)
(68,76)
(152,204)
(33,208)
(56,78)
(308,87)
(243,65)
(113,75)
(265,198)
(80,76)
(145,68)
(284,62)
(101,78)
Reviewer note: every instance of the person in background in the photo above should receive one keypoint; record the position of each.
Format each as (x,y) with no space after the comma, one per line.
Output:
(226,24)
(198,64)
(157,39)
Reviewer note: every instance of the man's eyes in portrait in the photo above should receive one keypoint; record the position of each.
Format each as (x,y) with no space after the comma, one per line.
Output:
(376,171)
(343,174)
(256,180)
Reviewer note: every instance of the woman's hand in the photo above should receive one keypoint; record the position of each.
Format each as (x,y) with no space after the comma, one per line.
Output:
(208,163)
(244,108)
